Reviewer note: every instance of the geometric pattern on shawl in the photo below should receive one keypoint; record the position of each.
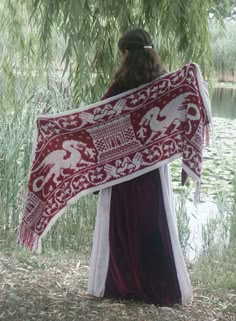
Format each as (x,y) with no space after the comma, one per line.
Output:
(112,141)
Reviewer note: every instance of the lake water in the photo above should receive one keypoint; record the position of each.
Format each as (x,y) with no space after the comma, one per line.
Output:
(224,103)
(224,143)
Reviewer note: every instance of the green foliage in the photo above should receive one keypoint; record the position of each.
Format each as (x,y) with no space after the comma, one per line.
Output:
(232,238)
(222,8)
(219,232)
(210,239)
(75,230)
(224,49)
(91,29)
(216,272)
(183,221)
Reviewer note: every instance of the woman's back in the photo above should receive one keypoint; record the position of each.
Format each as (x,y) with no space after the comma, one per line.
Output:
(134,256)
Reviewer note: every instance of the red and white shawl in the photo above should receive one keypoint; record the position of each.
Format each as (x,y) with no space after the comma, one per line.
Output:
(112,141)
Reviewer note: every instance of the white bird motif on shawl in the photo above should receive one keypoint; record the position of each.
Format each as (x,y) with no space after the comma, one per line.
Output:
(159,120)
(59,160)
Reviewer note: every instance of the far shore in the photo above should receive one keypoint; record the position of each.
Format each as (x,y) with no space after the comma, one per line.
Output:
(226,84)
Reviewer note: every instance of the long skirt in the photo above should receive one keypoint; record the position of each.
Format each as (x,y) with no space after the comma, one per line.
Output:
(136,252)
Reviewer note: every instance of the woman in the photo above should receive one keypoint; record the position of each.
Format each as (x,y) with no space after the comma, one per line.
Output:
(136,252)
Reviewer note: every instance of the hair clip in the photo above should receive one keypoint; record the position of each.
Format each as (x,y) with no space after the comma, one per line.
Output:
(149,47)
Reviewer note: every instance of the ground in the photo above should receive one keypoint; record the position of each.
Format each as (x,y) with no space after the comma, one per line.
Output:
(52,287)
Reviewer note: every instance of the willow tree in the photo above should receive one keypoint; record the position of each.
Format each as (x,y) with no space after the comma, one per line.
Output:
(91,28)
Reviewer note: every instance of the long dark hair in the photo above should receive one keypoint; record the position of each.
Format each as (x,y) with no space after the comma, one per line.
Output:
(141,64)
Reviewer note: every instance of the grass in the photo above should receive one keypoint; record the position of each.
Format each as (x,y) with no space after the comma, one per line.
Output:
(53,287)
(216,273)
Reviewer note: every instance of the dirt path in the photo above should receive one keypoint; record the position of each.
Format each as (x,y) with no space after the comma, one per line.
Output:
(54,288)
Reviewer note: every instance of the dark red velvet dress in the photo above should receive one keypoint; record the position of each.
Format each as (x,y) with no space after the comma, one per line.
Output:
(141,263)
